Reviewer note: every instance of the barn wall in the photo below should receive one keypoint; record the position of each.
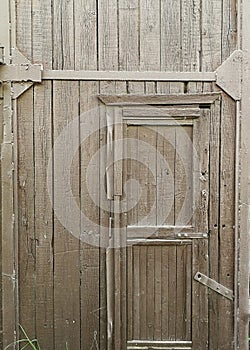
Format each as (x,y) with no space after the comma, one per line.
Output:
(62,281)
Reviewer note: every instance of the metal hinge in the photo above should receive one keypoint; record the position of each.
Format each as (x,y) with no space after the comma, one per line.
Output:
(215,286)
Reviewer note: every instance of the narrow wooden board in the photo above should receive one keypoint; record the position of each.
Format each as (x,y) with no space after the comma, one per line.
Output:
(89,204)
(227,215)
(43,216)
(85,34)
(27,239)
(149,35)
(66,246)
(63,33)
(129,35)
(107,35)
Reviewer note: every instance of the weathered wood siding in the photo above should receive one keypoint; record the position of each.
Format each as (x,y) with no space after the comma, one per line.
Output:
(62,286)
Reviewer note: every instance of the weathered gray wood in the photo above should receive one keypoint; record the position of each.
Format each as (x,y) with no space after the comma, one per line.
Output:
(85,35)
(27,237)
(149,35)
(159,99)
(66,246)
(112,74)
(227,215)
(129,50)
(89,204)
(214,173)
(200,248)
(244,268)
(63,35)
(190,35)
(107,35)
(151,112)
(170,35)
(43,216)
(211,31)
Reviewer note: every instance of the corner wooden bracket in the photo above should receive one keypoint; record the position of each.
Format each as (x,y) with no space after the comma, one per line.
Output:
(229,75)
(21,73)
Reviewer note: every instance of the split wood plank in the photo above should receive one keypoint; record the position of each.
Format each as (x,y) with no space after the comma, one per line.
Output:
(229,28)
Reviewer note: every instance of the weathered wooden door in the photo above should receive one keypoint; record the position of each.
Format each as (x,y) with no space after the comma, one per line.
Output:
(152,260)
(165,152)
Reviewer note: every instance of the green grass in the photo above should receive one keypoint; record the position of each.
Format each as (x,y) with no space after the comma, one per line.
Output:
(27,342)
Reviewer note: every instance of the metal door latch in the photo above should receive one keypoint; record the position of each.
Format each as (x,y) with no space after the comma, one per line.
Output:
(215,286)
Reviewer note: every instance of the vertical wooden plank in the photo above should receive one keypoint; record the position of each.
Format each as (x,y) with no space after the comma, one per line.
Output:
(9,282)
(63,34)
(180,293)
(150,293)
(229,28)
(136,292)
(172,285)
(66,246)
(143,292)
(27,243)
(157,292)
(43,216)
(200,247)
(150,35)
(183,175)
(188,294)
(243,189)
(227,215)
(165,191)
(170,37)
(42,53)
(108,35)
(211,34)
(165,270)
(190,35)
(130,293)
(129,35)
(214,220)
(147,175)
(23,27)
(1,221)
(86,54)
(89,254)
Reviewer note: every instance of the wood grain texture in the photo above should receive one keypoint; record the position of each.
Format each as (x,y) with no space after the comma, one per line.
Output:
(86,50)
(63,34)
(27,238)
(89,203)
(170,35)
(227,222)
(129,36)
(211,34)
(108,35)
(43,217)
(66,246)
(149,35)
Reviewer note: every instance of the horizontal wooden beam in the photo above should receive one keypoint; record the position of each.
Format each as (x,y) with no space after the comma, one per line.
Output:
(128,75)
